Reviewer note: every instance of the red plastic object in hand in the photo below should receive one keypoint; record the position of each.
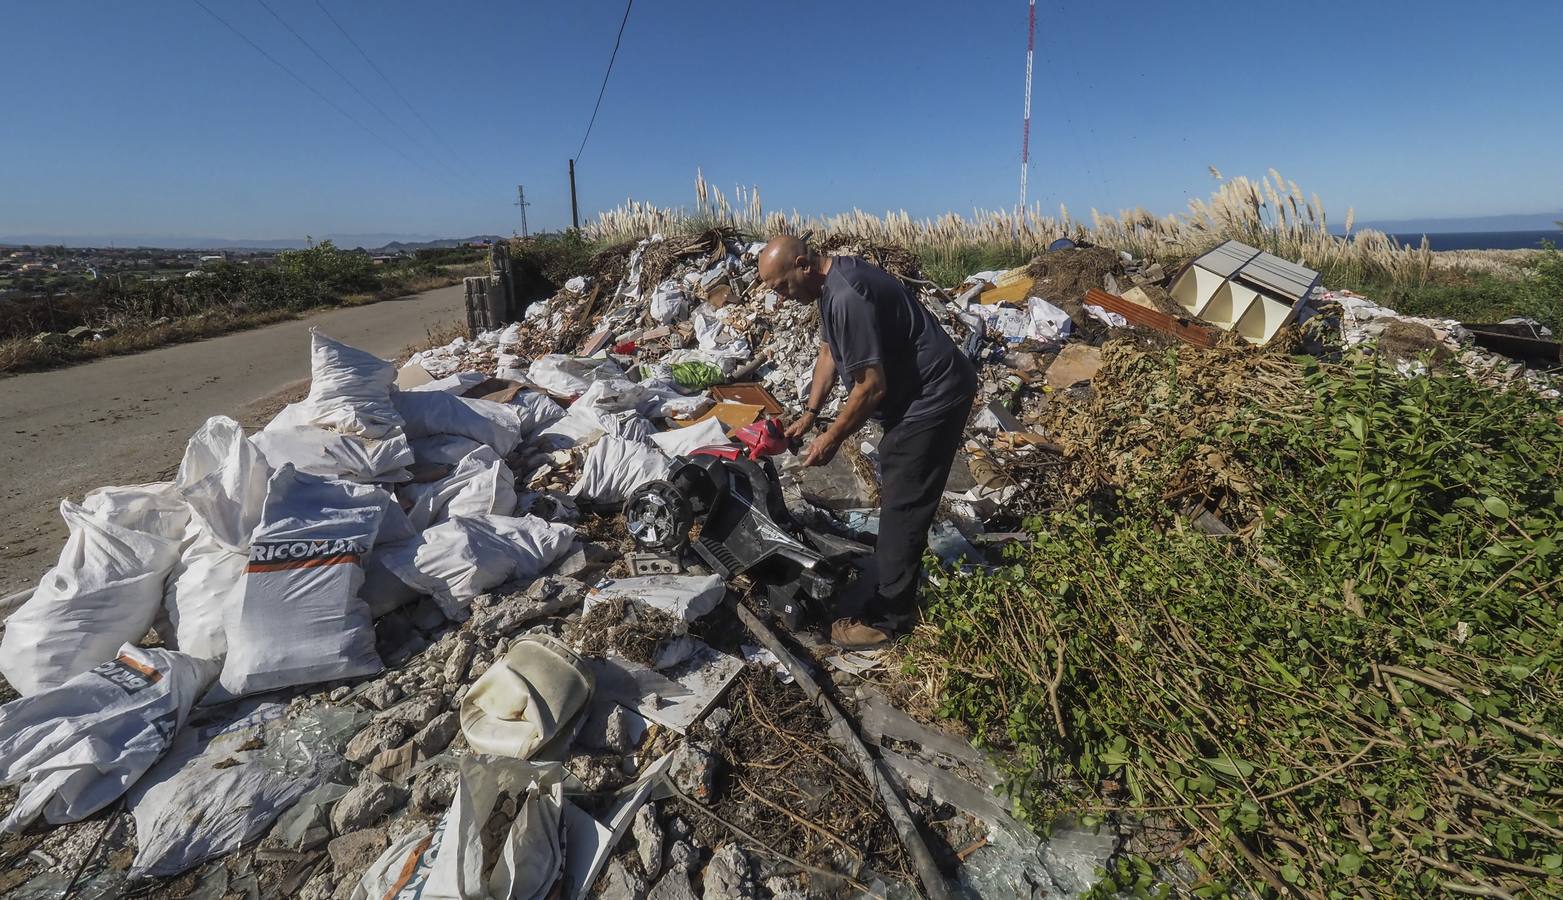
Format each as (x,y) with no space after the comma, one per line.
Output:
(624,349)
(763,438)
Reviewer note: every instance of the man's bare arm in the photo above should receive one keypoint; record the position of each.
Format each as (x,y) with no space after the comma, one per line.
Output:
(824,380)
(868,391)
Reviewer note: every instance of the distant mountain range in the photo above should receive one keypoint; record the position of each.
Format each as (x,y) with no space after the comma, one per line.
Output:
(381,241)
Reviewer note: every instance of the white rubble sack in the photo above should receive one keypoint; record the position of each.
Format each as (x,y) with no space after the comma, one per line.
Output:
(299,619)
(433,412)
(461,558)
(449,864)
(383,592)
(681,441)
(105,590)
(451,384)
(570,376)
(615,467)
(198,591)
(443,449)
(537,411)
(330,454)
(77,747)
(349,389)
(223,477)
(480,485)
(224,782)
(686,596)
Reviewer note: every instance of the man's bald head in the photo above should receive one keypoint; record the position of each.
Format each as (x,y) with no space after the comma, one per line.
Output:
(791,269)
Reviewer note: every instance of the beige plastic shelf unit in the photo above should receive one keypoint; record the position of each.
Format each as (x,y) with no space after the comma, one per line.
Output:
(1238,288)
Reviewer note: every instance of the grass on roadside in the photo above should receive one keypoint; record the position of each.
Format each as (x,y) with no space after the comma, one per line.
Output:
(1361,694)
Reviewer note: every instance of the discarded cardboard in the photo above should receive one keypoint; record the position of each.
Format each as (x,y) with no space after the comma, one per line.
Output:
(733,415)
(412,375)
(1074,364)
(1014,292)
(750,392)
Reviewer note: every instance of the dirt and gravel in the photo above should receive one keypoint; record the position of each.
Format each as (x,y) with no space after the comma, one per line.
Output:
(125,419)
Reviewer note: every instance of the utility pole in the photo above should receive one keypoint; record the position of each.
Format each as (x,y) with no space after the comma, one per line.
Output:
(575,212)
(521,202)
(1025,128)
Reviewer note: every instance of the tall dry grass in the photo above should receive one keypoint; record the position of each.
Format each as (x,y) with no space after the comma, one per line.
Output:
(1271,213)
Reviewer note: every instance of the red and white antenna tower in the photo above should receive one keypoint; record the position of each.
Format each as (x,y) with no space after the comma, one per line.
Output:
(1025,130)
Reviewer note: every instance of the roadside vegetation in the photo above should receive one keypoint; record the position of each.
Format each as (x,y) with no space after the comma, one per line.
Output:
(1270,213)
(1356,690)
(138,314)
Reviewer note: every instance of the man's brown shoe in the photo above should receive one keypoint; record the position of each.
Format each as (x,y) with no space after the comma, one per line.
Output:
(856,634)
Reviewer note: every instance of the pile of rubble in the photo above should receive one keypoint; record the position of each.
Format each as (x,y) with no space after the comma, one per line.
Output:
(403,640)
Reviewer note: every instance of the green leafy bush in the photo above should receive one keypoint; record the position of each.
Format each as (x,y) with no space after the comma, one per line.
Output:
(1363,697)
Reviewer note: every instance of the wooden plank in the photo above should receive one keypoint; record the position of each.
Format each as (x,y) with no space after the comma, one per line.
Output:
(1183,329)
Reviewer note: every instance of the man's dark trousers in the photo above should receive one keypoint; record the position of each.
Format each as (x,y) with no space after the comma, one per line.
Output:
(914,463)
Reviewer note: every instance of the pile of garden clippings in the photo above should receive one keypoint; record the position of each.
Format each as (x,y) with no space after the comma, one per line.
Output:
(697,767)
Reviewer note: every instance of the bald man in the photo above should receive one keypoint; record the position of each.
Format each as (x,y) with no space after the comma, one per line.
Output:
(901,368)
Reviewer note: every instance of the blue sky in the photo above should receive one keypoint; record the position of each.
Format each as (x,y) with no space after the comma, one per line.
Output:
(152,118)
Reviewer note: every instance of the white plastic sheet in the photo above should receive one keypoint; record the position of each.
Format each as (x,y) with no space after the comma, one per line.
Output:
(449,863)
(299,619)
(459,559)
(432,412)
(570,376)
(680,441)
(223,783)
(77,747)
(668,303)
(1045,322)
(480,485)
(686,596)
(349,389)
(615,467)
(105,590)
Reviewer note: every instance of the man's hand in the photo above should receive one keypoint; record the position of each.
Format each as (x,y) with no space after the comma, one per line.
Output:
(800,426)
(822,450)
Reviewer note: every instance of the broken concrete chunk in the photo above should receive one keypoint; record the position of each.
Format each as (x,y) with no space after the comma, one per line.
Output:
(375,739)
(456,663)
(415,712)
(648,840)
(619,883)
(364,805)
(433,738)
(693,770)
(584,560)
(682,857)
(728,875)
(673,886)
(352,853)
(382,694)
(433,790)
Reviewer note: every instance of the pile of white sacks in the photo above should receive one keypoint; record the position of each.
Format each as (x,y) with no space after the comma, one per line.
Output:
(265,562)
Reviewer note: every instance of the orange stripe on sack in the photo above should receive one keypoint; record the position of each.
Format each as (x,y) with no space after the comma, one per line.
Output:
(337,560)
(150,673)
(409,867)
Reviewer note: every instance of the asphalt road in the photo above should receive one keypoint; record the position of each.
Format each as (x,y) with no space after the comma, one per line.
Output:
(125,419)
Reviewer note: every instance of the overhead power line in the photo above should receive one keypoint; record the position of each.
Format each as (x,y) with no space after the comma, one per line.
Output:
(312,89)
(392,85)
(350,83)
(605,75)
